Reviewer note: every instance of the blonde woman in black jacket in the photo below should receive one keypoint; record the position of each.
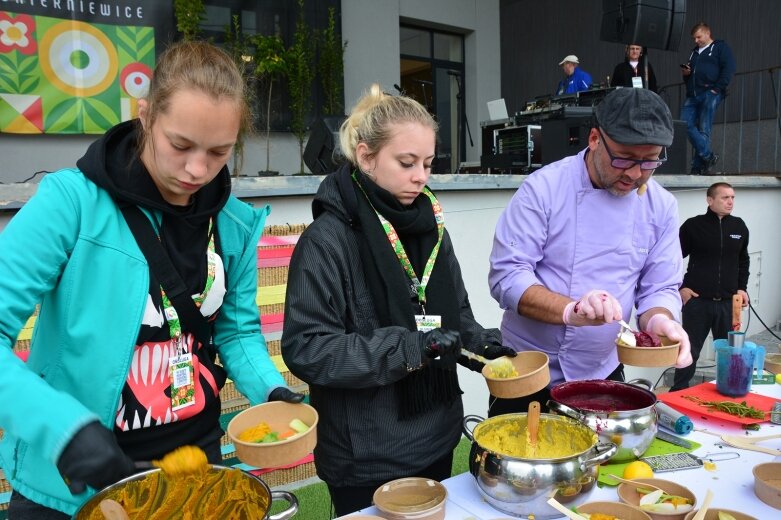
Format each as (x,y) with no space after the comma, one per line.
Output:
(376,310)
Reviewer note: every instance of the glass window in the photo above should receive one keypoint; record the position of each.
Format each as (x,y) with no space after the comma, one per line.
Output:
(415,42)
(448,47)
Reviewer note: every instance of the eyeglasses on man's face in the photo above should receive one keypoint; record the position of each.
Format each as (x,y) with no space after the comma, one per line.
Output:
(623,163)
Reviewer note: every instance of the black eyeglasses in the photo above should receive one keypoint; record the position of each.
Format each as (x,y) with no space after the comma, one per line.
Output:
(622,163)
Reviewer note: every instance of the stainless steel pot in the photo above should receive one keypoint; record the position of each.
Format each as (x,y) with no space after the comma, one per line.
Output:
(522,486)
(621,413)
(263,495)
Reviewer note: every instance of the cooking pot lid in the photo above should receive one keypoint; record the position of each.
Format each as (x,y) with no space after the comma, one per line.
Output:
(601,395)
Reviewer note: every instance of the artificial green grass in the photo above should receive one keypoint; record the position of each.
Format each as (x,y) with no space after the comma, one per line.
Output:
(314,502)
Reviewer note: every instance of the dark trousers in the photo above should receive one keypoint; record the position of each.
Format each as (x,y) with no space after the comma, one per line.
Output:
(349,499)
(498,406)
(700,316)
(22,508)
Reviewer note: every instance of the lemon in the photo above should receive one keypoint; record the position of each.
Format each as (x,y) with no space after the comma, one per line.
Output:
(638,469)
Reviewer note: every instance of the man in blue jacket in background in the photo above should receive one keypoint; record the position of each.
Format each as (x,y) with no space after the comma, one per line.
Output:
(707,74)
(575,79)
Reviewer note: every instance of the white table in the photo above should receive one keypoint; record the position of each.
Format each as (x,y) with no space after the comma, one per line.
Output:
(732,482)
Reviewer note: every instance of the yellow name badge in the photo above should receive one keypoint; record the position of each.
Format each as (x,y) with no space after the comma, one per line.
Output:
(181,374)
(427,322)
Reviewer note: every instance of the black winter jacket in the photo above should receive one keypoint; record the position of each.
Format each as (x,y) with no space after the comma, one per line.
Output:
(332,339)
(624,72)
(712,69)
(718,251)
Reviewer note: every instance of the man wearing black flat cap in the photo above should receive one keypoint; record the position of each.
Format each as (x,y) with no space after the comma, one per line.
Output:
(586,240)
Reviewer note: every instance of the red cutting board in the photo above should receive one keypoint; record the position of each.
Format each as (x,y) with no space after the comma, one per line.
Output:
(708,392)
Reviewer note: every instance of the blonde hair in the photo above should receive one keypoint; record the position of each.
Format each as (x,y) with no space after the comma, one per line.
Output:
(373,116)
(200,66)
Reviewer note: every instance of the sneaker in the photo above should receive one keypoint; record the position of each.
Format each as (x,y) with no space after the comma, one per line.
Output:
(696,171)
(710,163)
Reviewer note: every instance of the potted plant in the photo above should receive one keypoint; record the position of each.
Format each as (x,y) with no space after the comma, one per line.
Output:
(189,14)
(300,77)
(270,64)
(330,67)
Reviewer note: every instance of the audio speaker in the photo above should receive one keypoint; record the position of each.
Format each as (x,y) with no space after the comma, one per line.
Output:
(657,24)
(322,153)
(564,137)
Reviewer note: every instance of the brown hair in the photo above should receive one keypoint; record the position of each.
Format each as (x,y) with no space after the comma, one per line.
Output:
(372,117)
(200,66)
(715,187)
(698,26)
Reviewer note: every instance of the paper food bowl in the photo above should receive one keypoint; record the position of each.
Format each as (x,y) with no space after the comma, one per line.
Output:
(277,414)
(533,376)
(664,356)
(629,495)
(767,483)
(411,498)
(773,363)
(617,509)
(713,514)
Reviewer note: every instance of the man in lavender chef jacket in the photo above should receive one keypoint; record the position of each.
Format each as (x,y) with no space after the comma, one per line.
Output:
(586,239)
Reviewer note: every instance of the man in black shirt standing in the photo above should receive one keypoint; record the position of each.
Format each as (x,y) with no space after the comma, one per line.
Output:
(717,246)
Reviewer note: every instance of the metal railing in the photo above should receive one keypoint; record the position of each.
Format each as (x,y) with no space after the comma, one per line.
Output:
(748,125)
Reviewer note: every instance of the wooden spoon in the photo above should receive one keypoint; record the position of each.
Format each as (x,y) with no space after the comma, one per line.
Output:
(112,510)
(704,509)
(533,423)
(563,510)
(634,482)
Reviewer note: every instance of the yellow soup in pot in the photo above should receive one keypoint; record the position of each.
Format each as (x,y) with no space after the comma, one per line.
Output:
(508,435)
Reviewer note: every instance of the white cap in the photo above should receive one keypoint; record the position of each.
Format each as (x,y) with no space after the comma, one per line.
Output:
(570,58)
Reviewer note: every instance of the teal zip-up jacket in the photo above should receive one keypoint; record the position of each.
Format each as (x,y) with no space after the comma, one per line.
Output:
(70,249)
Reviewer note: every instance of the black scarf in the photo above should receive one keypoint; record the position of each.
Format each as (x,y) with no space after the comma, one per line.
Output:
(395,299)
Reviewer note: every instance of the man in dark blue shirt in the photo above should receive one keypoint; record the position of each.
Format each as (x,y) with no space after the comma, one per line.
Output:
(707,74)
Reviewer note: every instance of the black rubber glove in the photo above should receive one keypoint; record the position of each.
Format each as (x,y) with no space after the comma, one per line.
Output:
(490,347)
(443,344)
(285,394)
(93,457)
(497,351)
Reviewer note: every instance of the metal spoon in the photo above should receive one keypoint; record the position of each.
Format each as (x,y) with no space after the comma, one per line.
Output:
(500,361)
(626,326)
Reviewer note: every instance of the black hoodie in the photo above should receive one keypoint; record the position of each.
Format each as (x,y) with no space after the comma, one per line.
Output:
(112,162)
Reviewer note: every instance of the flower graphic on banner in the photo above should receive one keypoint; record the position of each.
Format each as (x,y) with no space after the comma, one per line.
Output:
(16,33)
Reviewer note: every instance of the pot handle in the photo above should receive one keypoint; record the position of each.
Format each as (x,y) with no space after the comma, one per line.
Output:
(641,381)
(563,409)
(470,419)
(604,450)
(288,497)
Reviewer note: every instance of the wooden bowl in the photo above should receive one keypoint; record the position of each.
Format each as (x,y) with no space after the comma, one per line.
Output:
(664,356)
(767,483)
(411,498)
(713,514)
(533,376)
(629,495)
(617,509)
(277,414)
(773,363)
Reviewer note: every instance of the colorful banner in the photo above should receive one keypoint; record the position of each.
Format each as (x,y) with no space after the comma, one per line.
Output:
(76,66)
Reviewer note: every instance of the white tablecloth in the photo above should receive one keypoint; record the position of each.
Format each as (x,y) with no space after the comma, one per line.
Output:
(732,482)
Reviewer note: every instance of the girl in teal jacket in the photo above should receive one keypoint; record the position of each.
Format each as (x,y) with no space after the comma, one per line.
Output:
(98,391)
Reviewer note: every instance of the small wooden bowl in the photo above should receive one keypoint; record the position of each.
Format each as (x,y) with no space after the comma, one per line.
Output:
(629,495)
(664,356)
(277,414)
(411,498)
(773,363)
(767,483)
(533,376)
(617,509)
(713,514)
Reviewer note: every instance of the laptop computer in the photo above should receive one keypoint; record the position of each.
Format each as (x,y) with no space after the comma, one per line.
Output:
(497,110)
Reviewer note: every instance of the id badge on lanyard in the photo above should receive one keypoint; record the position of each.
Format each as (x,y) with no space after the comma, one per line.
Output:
(427,322)
(181,371)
